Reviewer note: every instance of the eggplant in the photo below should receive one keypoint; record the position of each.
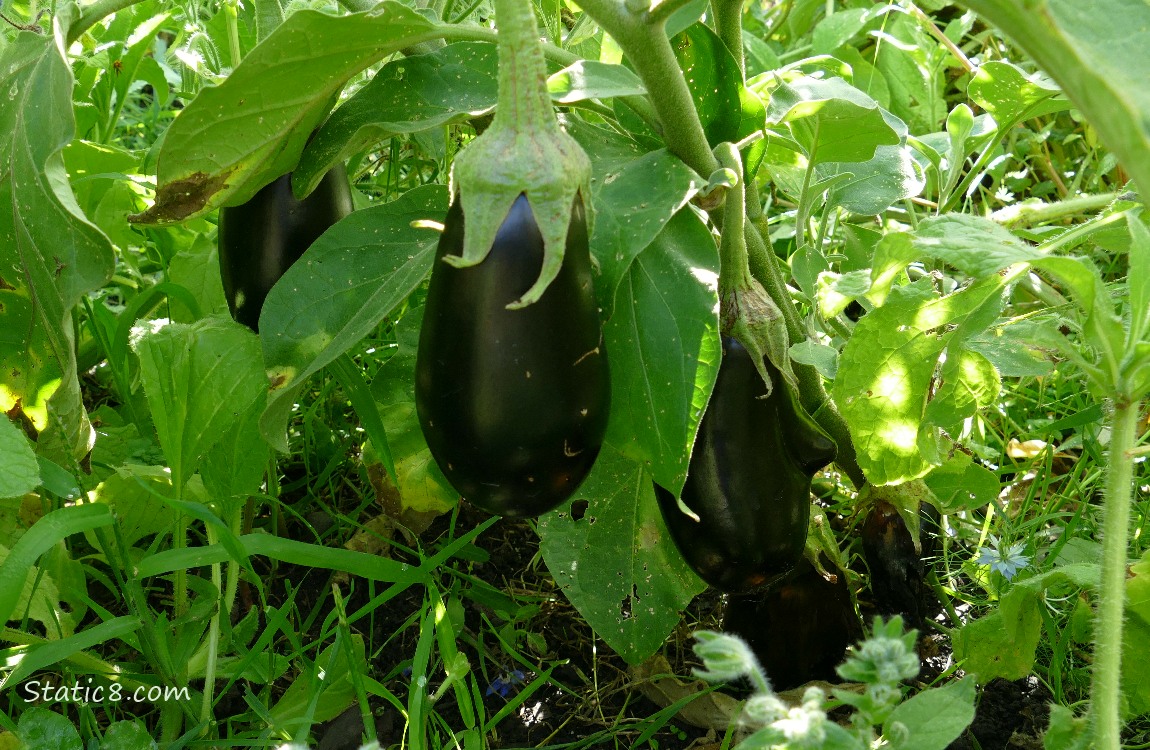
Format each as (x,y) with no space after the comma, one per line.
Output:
(749,479)
(799,628)
(260,239)
(897,570)
(513,403)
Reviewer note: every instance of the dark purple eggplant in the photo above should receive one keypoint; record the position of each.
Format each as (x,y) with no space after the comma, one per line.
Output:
(749,479)
(513,403)
(259,240)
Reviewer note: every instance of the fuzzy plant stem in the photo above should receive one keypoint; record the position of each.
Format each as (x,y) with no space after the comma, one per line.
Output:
(1105,691)
(734,271)
(643,39)
(523,104)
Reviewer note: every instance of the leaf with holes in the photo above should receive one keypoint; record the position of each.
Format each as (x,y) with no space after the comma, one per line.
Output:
(612,556)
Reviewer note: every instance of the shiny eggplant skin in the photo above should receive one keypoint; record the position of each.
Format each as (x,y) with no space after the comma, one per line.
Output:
(749,479)
(259,240)
(513,403)
(799,628)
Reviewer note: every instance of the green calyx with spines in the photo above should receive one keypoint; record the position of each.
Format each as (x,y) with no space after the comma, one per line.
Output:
(524,151)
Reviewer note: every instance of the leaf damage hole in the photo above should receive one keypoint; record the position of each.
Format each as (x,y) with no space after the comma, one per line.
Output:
(579,509)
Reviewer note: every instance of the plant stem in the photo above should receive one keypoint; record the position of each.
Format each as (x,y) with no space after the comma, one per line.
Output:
(95,13)
(644,41)
(213,638)
(1030,213)
(233,23)
(734,270)
(729,24)
(524,105)
(1105,690)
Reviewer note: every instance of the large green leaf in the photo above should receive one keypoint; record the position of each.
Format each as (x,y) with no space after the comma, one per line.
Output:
(612,556)
(1002,644)
(1007,92)
(349,280)
(50,255)
(421,485)
(406,96)
(886,370)
(663,344)
(233,139)
(831,120)
(633,202)
(200,379)
(890,176)
(43,536)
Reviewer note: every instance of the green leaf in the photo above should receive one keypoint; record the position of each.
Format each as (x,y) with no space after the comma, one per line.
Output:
(43,655)
(422,486)
(969,383)
(834,292)
(1136,638)
(19,472)
(44,534)
(200,379)
(612,556)
(837,29)
(1007,92)
(322,691)
(41,728)
(1012,347)
(233,468)
(991,647)
(713,78)
(974,245)
(1066,731)
(407,95)
(961,484)
(131,494)
(39,601)
(234,138)
(935,717)
(1003,643)
(1138,280)
(874,186)
(50,254)
(886,370)
(883,381)
(911,62)
(663,342)
(633,202)
(349,280)
(197,269)
(590,79)
(832,120)
(1135,676)
(129,735)
(823,358)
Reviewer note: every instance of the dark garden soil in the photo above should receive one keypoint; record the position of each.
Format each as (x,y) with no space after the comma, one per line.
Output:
(598,702)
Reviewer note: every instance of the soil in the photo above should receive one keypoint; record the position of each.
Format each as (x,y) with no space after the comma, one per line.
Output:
(599,705)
